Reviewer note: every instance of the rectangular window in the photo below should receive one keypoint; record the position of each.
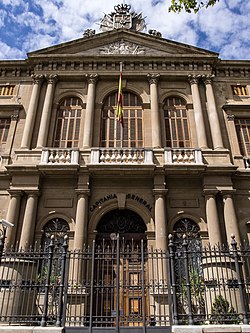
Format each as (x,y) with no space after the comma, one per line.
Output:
(6,90)
(243,134)
(4,129)
(239,90)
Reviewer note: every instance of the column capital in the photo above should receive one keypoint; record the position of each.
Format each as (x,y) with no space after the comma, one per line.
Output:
(230,117)
(15,115)
(153,78)
(32,193)
(160,192)
(210,192)
(227,193)
(194,78)
(83,192)
(207,79)
(37,78)
(15,192)
(92,78)
(51,78)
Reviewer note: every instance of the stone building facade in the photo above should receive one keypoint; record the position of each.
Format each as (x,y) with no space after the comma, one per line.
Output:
(181,162)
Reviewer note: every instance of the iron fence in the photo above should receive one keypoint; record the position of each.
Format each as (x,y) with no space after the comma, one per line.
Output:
(116,283)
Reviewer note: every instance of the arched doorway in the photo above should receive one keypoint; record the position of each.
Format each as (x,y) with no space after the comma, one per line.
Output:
(120,270)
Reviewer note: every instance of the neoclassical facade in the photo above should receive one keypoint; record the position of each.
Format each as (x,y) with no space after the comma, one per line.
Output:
(182,159)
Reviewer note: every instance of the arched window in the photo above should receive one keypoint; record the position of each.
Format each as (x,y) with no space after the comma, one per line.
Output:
(190,229)
(176,123)
(56,227)
(67,130)
(132,118)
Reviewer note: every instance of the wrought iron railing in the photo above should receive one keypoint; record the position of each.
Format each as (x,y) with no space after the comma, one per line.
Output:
(124,283)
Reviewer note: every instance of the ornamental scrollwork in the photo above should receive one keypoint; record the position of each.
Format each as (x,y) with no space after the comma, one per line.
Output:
(122,47)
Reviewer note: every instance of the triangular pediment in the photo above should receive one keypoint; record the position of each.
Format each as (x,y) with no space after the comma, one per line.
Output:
(124,43)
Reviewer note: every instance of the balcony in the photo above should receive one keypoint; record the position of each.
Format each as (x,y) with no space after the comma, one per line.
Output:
(120,156)
(53,156)
(183,156)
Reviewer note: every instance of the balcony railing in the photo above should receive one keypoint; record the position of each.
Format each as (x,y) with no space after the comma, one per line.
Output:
(59,156)
(247,162)
(183,156)
(121,156)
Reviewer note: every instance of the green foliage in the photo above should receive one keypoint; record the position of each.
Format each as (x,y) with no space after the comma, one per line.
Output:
(222,312)
(197,295)
(190,5)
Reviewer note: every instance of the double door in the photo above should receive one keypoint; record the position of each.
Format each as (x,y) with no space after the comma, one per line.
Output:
(120,283)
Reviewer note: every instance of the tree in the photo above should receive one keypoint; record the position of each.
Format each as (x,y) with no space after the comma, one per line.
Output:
(190,5)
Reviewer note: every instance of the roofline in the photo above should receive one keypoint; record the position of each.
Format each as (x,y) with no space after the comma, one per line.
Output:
(120,31)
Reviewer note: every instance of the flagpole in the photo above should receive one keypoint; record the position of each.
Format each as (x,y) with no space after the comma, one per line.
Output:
(121,124)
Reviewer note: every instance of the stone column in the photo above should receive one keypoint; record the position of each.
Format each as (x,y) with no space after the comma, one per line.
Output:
(45,120)
(31,113)
(160,219)
(80,237)
(213,223)
(198,115)
(29,219)
(230,218)
(13,215)
(155,116)
(212,113)
(90,109)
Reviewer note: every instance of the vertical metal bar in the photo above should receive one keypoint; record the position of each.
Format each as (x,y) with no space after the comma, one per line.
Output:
(92,288)
(65,289)
(46,293)
(143,287)
(173,281)
(60,301)
(117,281)
(240,283)
(185,257)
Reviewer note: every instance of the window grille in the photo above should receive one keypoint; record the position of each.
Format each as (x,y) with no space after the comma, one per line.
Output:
(243,133)
(4,129)
(68,122)
(56,227)
(176,123)
(132,119)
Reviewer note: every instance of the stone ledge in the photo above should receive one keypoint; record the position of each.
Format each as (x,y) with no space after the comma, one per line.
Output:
(212,329)
(30,329)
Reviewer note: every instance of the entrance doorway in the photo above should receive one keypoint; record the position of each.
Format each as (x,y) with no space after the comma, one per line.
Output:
(120,270)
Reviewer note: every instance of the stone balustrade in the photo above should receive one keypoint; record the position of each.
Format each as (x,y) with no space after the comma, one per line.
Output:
(183,156)
(121,156)
(247,162)
(59,156)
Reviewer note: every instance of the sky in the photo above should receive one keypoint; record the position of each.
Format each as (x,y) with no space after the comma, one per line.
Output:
(29,25)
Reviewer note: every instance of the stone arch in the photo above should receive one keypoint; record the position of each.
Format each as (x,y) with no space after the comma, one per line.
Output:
(102,94)
(109,206)
(175,93)
(45,219)
(69,93)
(198,220)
